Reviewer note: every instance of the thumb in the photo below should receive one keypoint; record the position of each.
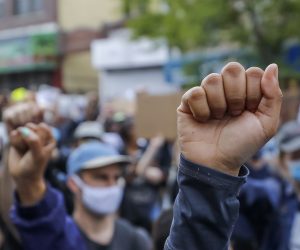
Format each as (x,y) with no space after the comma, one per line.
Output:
(270,106)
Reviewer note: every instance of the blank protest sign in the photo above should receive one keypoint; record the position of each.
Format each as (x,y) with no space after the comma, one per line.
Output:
(156,114)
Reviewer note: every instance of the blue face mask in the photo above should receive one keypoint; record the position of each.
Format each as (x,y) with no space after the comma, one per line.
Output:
(294,168)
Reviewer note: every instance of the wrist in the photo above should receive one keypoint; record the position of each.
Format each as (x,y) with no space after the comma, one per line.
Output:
(226,168)
(30,192)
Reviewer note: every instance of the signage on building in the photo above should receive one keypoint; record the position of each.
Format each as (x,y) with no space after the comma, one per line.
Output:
(30,52)
(118,53)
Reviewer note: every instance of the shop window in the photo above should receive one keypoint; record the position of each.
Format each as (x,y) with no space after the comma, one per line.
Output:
(22,7)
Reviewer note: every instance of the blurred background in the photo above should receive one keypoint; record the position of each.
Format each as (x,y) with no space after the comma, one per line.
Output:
(123,65)
(118,47)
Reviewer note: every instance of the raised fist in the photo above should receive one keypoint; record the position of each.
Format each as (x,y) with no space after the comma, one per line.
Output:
(21,113)
(222,123)
(27,166)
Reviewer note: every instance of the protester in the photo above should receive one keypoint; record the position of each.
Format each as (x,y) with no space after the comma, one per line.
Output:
(268,206)
(215,138)
(289,146)
(94,170)
(92,110)
(94,173)
(220,127)
(148,173)
(88,131)
(14,116)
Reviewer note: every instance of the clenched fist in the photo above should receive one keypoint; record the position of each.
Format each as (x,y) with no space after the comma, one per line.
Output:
(27,165)
(223,122)
(21,113)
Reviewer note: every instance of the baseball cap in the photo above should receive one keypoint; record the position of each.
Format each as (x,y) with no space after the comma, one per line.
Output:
(288,137)
(89,129)
(94,155)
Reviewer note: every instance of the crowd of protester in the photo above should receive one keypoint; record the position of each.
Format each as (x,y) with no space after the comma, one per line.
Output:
(79,129)
(120,189)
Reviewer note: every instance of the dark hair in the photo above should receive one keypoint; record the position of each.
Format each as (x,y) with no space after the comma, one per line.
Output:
(125,131)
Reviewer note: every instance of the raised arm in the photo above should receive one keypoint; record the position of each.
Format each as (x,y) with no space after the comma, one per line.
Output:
(221,124)
(38,212)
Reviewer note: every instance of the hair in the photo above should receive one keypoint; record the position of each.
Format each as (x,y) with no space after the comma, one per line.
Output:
(125,131)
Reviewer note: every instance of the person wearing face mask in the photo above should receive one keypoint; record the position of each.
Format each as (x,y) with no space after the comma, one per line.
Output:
(95,179)
(289,146)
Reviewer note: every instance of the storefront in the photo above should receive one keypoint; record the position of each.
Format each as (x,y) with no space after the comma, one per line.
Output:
(126,66)
(29,61)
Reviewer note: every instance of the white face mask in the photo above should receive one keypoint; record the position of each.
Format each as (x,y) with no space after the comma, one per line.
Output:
(100,200)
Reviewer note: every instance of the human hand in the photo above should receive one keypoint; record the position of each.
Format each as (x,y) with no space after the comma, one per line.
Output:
(20,114)
(27,167)
(154,175)
(222,123)
(157,141)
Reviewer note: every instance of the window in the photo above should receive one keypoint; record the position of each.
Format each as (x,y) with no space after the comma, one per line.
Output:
(22,7)
(37,5)
(2,8)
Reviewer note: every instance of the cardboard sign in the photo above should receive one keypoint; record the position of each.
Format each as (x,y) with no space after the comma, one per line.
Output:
(121,105)
(156,115)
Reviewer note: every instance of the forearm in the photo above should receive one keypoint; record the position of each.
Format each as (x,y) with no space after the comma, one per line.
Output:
(206,208)
(146,160)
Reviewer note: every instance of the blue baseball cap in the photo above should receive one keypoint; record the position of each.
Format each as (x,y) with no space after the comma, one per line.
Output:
(94,155)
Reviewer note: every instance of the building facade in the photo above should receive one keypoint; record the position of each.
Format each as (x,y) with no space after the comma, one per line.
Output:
(48,42)
(81,22)
(125,65)
(29,43)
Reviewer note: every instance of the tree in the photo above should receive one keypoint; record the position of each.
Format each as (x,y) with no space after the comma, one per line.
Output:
(263,25)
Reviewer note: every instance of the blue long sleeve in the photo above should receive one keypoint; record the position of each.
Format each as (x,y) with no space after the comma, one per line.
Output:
(205,209)
(46,225)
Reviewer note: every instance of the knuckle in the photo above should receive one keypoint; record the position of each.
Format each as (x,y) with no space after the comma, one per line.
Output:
(212,79)
(254,72)
(233,68)
(196,94)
